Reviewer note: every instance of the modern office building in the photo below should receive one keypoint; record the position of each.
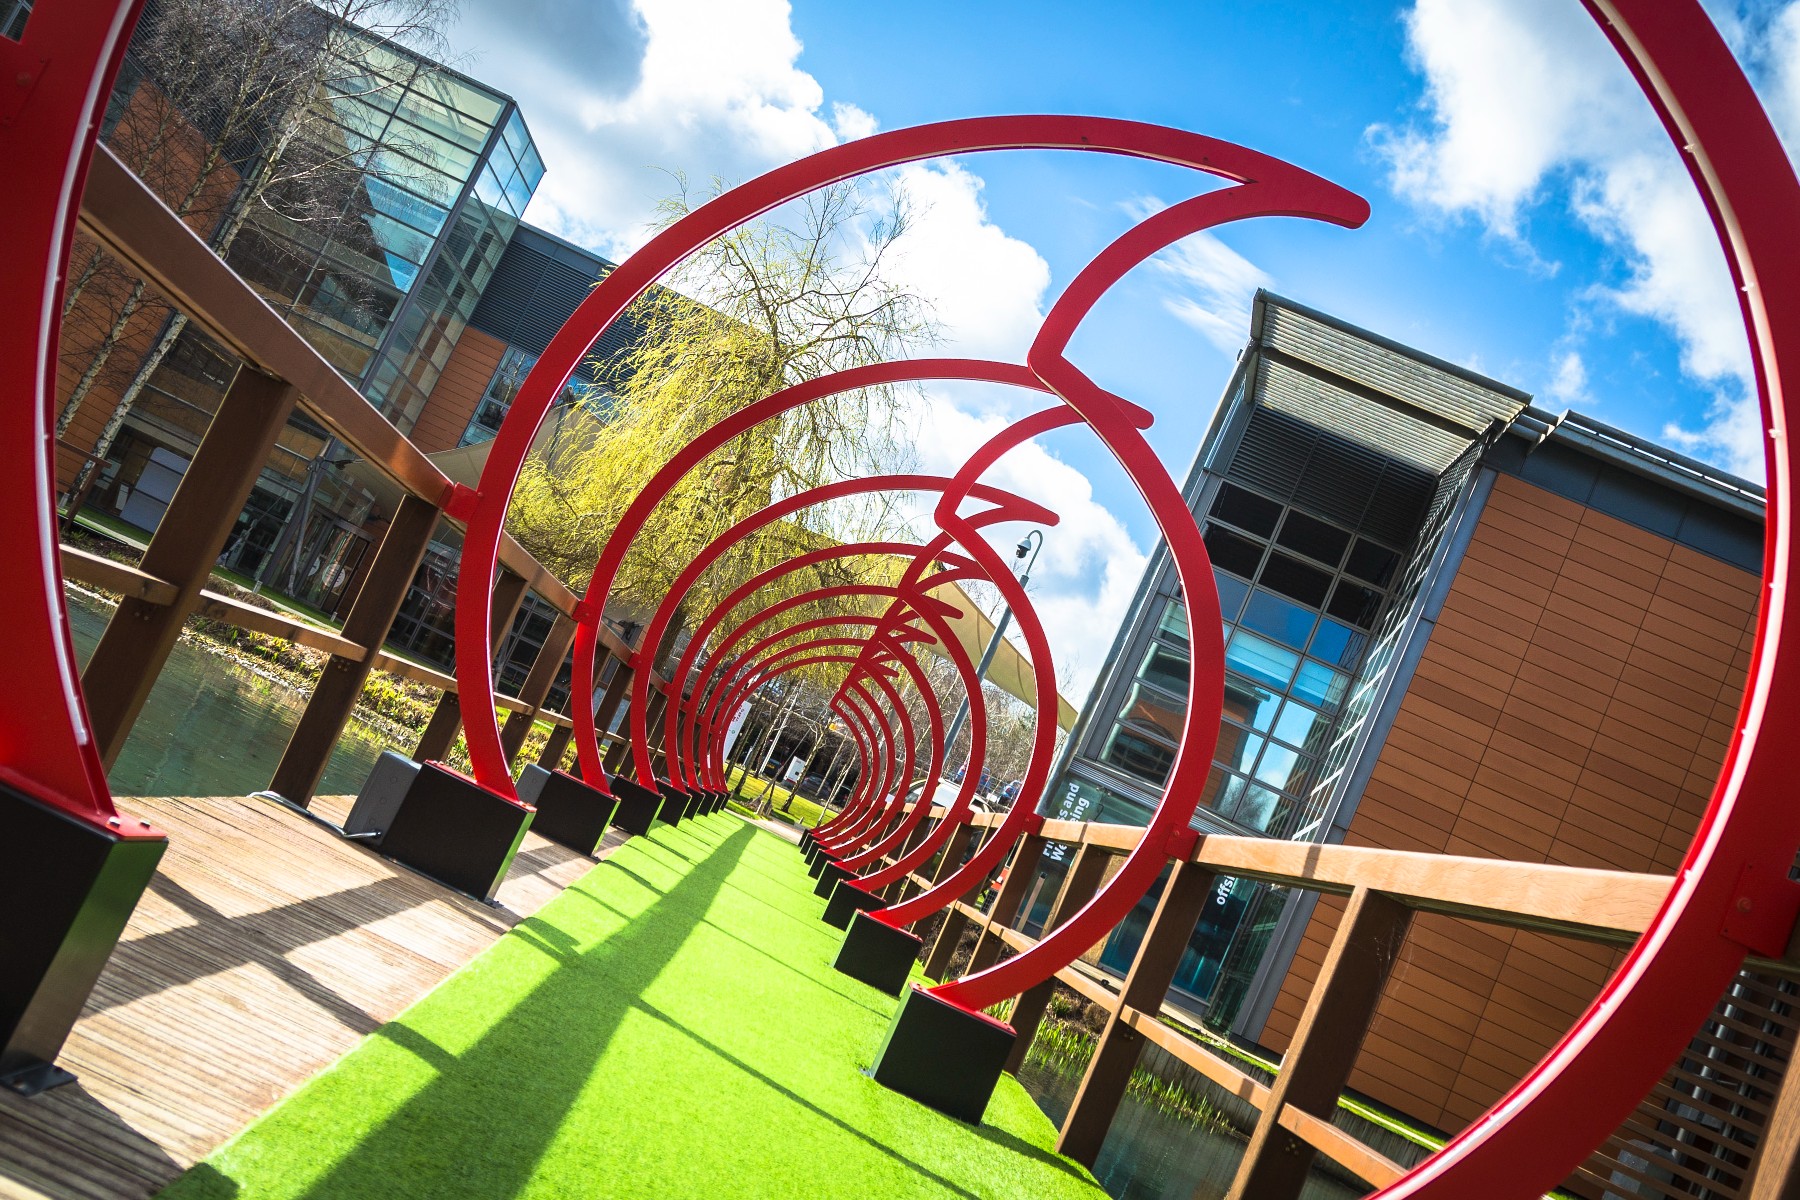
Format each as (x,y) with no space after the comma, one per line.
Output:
(1453,623)
(422,287)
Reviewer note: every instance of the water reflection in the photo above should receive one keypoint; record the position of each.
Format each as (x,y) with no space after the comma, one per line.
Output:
(211,728)
(1153,1155)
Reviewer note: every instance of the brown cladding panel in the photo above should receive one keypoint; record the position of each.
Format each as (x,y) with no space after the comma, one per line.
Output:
(1572,706)
(459,389)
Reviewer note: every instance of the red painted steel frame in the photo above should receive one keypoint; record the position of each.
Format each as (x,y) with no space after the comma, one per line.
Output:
(1572,1100)
(57,80)
(937,551)
(785,507)
(678,734)
(668,475)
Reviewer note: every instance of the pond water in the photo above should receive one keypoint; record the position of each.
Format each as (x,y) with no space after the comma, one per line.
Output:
(212,728)
(1150,1154)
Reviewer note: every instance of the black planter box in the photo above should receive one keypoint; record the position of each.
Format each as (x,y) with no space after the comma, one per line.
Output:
(943,1056)
(637,805)
(68,887)
(456,831)
(820,857)
(569,812)
(828,878)
(675,803)
(848,899)
(879,954)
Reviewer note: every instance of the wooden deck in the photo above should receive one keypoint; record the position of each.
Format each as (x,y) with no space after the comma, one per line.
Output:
(264,949)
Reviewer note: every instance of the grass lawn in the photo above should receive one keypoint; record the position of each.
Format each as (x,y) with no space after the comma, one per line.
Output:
(797,808)
(637,1038)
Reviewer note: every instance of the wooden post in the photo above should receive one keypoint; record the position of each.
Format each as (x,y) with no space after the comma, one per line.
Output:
(446,719)
(558,745)
(372,613)
(1317,1064)
(937,963)
(538,683)
(617,690)
(1005,909)
(1078,887)
(186,545)
(653,716)
(1775,1171)
(1103,1087)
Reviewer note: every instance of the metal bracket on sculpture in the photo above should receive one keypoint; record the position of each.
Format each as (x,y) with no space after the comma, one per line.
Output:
(1764,906)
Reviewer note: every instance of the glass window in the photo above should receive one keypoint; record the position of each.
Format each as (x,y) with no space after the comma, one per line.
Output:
(1247,510)
(1165,667)
(1281,767)
(1280,619)
(1173,622)
(1138,755)
(1147,708)
(464,98)
(515,364)
(1320,685)
(442,120)
(401,240)
(1313,538)
(402,205)
(531,167)
(1245,701)
(1231,595)
(1293,578)
(1297,723)
(1258,807)
(1353,603)
(1238,749)
(1232,553)
(1337,643)
(516,137)
(1260,659)
(1371,562)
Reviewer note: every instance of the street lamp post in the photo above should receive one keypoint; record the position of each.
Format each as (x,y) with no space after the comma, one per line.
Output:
(1027,551)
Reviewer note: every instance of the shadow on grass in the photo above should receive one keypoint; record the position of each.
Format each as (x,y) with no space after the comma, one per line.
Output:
(795,1098)
(518,1082)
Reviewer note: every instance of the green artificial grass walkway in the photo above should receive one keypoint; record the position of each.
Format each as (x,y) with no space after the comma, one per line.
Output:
(670,1026)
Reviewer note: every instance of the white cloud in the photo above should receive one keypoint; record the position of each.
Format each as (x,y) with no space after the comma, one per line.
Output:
(1569,385)
(986,287)
(1213,283)
(1527,104)
(1089,566)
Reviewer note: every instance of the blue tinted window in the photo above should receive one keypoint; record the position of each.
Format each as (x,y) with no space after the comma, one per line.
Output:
(1319,685)
(1337,643)
(1297,723)
(1173,622)
(1260,659)
(1247,702)
(1280,619)
(1231,595)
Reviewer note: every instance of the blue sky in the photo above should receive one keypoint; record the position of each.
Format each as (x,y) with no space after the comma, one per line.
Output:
(1529,220)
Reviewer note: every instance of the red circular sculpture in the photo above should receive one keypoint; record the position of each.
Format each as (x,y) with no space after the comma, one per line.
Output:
(1731,893)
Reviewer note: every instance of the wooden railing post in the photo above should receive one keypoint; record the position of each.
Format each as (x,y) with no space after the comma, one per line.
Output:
(943,949)
(372,614)
(186,545)
(1317,1064)
(555,747)
(446,719)
(1078,887)
(1775,1170)
(538,683)
(1103,1086)
(1005,909)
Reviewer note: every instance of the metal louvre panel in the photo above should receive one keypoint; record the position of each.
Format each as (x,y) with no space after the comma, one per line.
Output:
(1381,429)
(1335,350)
(1273,453)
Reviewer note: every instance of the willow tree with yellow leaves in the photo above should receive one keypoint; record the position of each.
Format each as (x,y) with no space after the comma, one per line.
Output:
(806,292)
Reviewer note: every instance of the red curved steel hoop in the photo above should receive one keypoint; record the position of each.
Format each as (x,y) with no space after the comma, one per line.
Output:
(932,613)
(1547,1125)
(785,507)
(670,473)
(1312,197)
(780,663)
(48,138)
(682,720)
(703,631)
